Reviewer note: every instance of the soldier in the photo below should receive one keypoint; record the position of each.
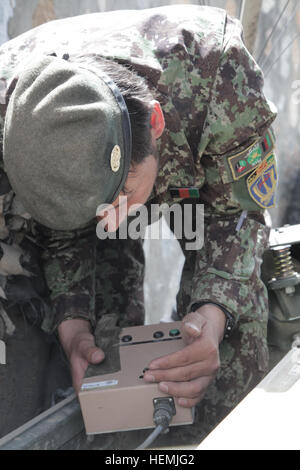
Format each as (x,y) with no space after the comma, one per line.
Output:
(160,105)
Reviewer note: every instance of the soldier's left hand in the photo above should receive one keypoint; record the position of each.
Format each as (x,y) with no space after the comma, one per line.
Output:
(187,373)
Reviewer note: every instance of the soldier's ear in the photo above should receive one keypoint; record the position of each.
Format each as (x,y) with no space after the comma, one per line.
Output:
(157,120)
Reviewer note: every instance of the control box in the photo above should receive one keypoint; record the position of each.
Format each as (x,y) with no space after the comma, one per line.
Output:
(121,400)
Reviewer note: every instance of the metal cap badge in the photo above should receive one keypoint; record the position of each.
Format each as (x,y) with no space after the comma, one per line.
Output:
(115,158)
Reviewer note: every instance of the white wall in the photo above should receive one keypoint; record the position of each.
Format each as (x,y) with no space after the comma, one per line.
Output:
(6,12)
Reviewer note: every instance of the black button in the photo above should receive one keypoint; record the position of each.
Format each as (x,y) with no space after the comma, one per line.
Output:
(126,338)
(174,332)
(158,334)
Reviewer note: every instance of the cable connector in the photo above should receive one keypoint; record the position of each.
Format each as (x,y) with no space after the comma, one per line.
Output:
(164,410)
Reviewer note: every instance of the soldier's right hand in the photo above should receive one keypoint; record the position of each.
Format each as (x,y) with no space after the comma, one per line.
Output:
(79,345)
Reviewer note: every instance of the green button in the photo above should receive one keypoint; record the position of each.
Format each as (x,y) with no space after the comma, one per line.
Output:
(174,332)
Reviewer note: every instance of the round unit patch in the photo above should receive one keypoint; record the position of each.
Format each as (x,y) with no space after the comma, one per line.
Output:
(115,158)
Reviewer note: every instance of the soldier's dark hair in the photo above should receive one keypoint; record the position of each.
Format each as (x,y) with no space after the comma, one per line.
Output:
(137,98)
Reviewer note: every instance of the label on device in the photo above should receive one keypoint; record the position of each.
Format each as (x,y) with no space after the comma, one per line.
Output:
(106,383)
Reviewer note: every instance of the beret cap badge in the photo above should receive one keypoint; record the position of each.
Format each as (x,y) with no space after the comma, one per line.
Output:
(115,158)
(100,159)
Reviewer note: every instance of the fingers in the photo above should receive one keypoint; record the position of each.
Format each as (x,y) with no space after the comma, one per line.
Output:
(201,349)
(87,349)
(191,330)
(189,394)
(192,327)
(84,353)
(92,354)
(78,368)
(186,373)
(188,383)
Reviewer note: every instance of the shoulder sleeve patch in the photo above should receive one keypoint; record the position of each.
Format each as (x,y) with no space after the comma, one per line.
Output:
(262,183)
(246,161)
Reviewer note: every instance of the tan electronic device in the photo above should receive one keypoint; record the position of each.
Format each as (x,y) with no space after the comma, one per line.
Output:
(121,400)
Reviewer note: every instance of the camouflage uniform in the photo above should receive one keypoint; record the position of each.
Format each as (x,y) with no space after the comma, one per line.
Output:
(210,90)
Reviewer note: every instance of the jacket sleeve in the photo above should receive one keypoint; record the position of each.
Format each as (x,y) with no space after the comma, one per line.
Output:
(68,261)
(228,267)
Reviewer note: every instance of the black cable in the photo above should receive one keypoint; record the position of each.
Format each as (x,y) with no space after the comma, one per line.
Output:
(290,19)
(157,431)
(272,31)
(281,54)
(164,410)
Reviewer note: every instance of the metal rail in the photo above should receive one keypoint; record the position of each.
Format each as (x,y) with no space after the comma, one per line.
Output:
(50,430)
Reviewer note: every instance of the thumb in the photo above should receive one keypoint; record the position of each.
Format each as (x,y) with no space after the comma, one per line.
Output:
(193,325)
(95,355)
(89,351)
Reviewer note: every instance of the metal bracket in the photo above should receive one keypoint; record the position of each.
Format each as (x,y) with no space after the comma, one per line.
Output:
(287,235)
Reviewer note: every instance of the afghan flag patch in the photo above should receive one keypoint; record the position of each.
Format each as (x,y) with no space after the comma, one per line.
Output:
(185,193)
(262,183)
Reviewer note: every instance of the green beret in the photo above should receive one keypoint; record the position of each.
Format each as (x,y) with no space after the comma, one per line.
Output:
(67,142)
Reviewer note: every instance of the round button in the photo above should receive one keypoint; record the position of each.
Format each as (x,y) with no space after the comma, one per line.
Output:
(158,334)
(126,338)
(174,332)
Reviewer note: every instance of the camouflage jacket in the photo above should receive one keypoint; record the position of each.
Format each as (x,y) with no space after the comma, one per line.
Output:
(210,89)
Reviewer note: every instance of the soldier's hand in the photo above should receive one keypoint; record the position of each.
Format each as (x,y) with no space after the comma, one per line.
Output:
(79,345)
(187,373)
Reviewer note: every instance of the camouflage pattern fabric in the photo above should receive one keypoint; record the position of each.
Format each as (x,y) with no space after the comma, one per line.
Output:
(120,270)
(210,90)
(244,356)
